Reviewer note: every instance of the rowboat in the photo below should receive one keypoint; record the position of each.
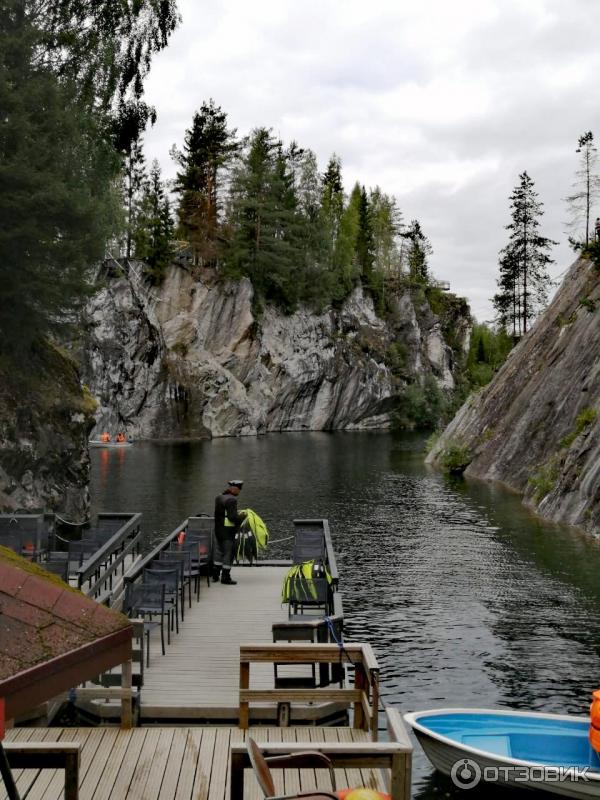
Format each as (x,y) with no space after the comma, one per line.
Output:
(526,749)
(99,443)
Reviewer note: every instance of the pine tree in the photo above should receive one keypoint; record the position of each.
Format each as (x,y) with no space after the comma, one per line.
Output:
(208,149)
(587,185)
(419,248)
(154,228)
(524,278)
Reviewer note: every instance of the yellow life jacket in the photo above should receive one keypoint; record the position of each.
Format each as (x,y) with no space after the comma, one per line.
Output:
(299,583)
(258,528)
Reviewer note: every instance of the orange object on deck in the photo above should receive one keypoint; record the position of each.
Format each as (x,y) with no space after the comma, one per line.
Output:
(595,721)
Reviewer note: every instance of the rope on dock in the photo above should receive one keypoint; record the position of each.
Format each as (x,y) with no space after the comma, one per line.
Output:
(73,524)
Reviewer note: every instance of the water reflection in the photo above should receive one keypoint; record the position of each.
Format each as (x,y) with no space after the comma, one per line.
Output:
(467,598)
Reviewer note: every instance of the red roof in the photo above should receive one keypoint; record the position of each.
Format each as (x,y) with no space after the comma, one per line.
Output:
(52,636)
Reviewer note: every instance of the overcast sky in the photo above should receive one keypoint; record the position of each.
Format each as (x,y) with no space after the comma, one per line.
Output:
(441,103)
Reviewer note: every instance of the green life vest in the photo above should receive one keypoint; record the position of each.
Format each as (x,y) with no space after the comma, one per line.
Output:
(299,583)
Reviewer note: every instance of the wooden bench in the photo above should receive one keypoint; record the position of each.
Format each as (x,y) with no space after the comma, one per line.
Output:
(47,755)
(394,756)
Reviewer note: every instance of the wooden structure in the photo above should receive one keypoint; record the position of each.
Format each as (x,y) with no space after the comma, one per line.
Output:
(364,697)
(394,758)
(179,763)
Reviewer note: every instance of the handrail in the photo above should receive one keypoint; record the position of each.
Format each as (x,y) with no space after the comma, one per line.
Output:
(364,696)
(96,588)
(395,757)
(136,572)
(90,567)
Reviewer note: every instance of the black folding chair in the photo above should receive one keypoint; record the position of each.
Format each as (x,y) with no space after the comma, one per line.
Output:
(200,544)
(145,600)
(169,577)
(308,546)
(176,557)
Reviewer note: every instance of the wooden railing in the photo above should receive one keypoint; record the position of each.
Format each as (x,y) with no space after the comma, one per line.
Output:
(113,553)
(364,696)
(395,757)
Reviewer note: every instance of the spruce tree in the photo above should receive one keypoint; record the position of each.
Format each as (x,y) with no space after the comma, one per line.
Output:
(265,243)
(419,248)
(208,148)
(134,180)
(332,206)
(365,246)
(346,268)
(154,228)
(524,279)
(587,185)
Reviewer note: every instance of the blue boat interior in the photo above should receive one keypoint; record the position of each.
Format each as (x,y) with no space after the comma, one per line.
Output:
(553,742)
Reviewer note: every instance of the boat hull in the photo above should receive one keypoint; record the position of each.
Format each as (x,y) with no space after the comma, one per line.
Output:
(469,766)
(98,443)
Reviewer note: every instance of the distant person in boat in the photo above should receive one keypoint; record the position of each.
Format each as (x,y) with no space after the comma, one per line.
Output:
(227,522)
(105,437)
(597,229)
(121,438)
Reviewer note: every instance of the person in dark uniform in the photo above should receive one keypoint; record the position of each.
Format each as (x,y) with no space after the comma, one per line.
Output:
(227,524)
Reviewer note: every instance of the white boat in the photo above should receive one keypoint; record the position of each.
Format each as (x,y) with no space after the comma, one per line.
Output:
(523,749)
(99,443)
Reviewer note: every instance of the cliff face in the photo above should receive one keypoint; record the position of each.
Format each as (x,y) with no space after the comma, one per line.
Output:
(536,426)
(45,419)
(190,359)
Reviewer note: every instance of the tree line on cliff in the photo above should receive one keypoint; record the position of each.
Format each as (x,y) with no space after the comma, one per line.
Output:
(254,206)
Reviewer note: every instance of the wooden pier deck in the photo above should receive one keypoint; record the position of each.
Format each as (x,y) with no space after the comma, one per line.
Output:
(198,678)
(176,763)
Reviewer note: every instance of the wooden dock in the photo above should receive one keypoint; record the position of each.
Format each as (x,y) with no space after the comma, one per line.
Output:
(176,763)
(198,678)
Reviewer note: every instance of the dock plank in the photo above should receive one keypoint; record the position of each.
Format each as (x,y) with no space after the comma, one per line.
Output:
(174,763)
(201,666)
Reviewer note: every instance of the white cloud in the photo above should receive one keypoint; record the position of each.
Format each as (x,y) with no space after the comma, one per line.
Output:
(442,104)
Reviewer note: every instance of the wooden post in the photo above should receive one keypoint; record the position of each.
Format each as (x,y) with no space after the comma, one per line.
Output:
(7,776)
(126,710)
(360,683)
(374,705)
(72,776)
(397,778)
(244,706)
(236,780)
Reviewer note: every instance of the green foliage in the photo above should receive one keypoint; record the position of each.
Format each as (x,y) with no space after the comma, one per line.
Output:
(421,406)
(589,303)
(543,480)
(154,229)
(455,458)
(586,418)
(523,280)
(57,203)
(432,440)
(419,249)
(208,149)
(396,358)
(488,350)
(587,186)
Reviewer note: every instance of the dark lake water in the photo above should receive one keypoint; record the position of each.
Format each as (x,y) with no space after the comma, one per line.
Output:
(467,599)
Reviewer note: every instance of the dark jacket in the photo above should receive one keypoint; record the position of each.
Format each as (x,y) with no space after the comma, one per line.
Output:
(226,508)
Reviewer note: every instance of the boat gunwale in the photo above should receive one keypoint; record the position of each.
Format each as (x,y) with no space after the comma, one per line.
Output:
(412,719)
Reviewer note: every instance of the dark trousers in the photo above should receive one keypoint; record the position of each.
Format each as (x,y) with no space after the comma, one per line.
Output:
(223,555)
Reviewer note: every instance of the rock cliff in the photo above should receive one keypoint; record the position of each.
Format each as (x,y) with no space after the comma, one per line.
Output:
(45,419)
(536,426)
(191,359)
